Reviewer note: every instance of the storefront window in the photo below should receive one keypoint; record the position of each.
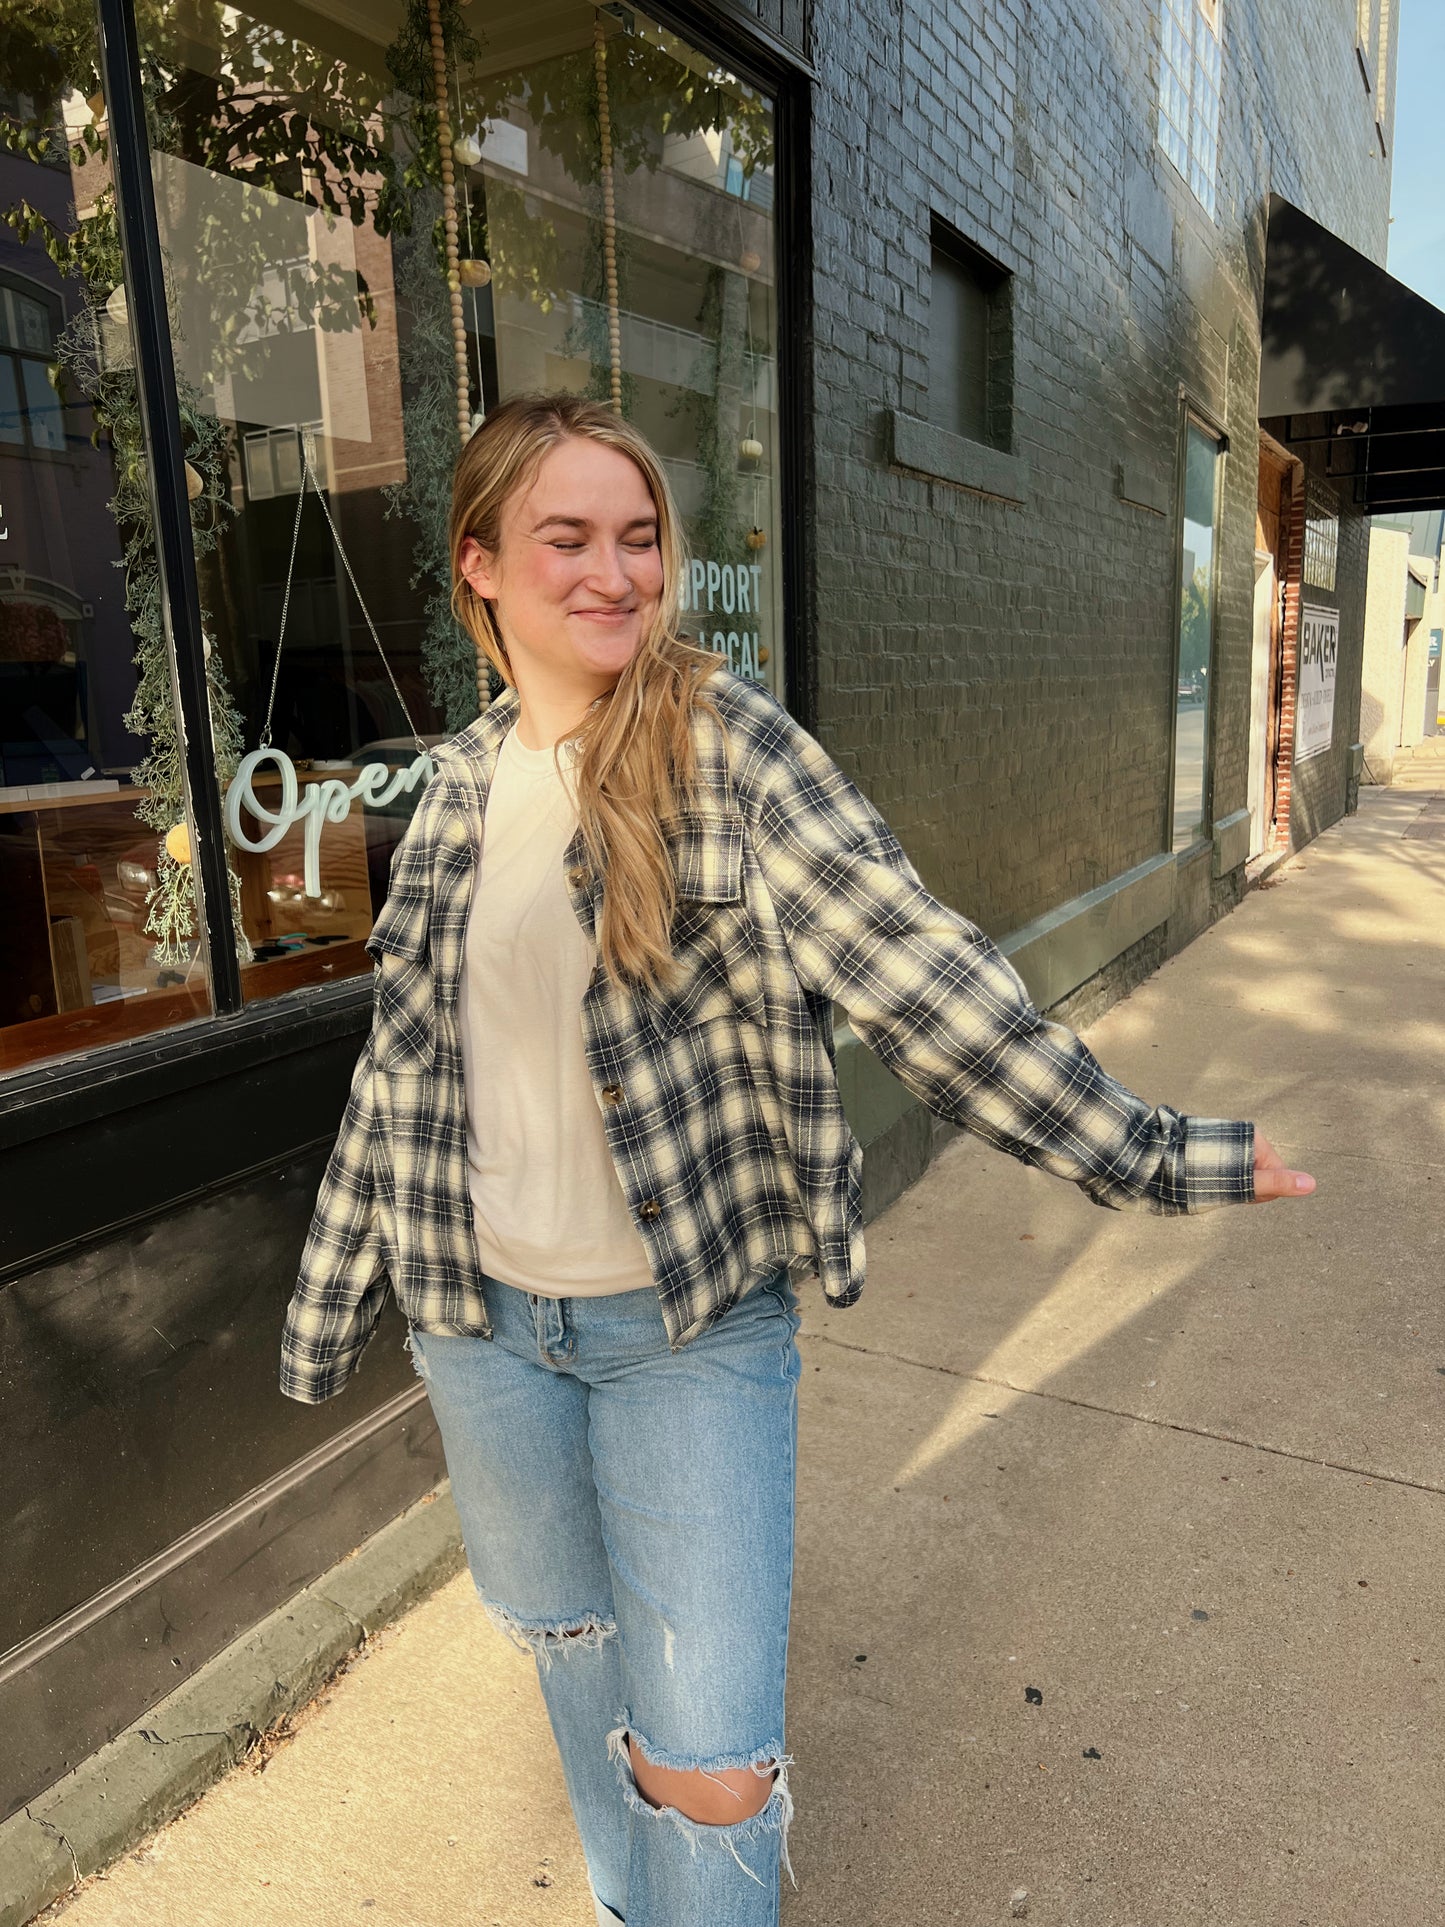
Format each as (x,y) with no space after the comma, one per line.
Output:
(374,231)
(98,946)
(374,226)
(1202,455)
(310,323)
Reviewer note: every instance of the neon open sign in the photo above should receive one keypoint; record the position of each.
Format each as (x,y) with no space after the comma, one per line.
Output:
(319,803)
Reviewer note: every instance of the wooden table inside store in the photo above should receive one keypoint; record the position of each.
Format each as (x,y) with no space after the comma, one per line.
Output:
(78,970)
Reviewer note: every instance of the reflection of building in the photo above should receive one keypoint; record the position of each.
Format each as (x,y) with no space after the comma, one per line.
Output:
(1404,621)
(65,673)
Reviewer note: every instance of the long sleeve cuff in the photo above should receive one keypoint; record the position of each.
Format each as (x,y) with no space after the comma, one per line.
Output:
(1215,1164)
(1206,1162)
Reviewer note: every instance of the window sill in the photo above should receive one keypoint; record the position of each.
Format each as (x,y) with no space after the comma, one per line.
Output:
(1199,846)
(1231,841)
(946,457)
(1139,489)
(115,1077)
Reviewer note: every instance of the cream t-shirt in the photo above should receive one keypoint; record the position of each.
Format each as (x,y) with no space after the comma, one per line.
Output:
(549,1212)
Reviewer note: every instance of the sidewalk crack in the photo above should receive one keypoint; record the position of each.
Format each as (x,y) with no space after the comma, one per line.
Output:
(242,1731)
(47,1826)
(1136,1418)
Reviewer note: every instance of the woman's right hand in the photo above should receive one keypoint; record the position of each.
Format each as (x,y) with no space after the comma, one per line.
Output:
(1272,1178)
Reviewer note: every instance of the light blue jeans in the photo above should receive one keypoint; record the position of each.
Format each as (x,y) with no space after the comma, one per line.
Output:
(628,1519)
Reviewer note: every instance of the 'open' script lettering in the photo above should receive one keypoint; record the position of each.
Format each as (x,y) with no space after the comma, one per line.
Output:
(327,801)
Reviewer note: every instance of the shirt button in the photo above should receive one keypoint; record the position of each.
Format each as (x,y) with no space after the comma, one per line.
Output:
(577,876)
(612,1093)
(649,1208)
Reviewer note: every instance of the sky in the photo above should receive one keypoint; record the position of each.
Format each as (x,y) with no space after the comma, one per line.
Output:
(1417,191)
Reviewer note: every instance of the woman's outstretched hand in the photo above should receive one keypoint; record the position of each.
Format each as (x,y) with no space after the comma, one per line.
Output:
(1272,1179)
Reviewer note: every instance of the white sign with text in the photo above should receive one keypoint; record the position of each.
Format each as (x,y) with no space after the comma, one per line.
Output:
(326,801)
(735,589)
(1319,652)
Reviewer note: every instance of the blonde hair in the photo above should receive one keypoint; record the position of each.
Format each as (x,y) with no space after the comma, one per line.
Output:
(636,767)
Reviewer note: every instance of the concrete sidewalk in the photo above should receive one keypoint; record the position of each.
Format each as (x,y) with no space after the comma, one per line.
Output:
(1118,1568)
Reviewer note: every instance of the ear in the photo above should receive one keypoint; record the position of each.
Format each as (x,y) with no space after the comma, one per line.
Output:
(478,567)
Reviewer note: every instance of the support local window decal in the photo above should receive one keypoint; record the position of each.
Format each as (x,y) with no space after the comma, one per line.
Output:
(736,588)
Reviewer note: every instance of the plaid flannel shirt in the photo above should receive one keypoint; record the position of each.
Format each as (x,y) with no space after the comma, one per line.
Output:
(719,1096)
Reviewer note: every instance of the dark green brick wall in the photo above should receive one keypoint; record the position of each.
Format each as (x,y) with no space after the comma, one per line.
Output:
(999,675)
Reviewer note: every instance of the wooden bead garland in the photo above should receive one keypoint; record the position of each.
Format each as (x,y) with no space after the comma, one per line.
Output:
(609,214)
(449,216)
(454,283)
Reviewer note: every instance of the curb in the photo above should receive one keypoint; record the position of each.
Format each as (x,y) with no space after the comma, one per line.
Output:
(189,1740)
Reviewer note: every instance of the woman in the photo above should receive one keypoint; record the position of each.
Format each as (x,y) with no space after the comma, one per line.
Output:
(595,1134)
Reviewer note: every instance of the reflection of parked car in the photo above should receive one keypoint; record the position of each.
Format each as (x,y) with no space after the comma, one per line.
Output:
(1191,689)
(398,752)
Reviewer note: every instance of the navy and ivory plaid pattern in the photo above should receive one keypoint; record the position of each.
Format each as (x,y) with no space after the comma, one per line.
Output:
(718,1096)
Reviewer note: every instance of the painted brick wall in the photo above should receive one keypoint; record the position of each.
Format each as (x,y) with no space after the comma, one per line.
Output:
(999,676)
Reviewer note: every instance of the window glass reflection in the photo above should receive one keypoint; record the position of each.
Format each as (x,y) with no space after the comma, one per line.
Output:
(663,244)
(1196,633)
(98,946)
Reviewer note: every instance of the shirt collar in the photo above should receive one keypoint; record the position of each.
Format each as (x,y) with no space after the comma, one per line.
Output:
(476,746)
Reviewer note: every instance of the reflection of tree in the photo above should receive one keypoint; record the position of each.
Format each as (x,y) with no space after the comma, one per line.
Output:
(523,250)
(268,110)
(713,399)
(236,97)
(1194,628)
(650,95)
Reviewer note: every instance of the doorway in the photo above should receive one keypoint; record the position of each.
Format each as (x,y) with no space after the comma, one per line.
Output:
(1277,548)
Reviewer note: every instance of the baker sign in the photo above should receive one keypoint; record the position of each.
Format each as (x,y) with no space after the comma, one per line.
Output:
(326,801)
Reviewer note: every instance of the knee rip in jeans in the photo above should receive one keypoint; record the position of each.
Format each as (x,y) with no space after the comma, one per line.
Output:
(546,1639)
(769,1762)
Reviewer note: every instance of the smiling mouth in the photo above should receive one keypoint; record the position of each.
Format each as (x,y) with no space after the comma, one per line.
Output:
(609,615)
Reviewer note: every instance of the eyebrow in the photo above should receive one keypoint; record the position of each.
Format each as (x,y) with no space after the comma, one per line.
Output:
(581,522)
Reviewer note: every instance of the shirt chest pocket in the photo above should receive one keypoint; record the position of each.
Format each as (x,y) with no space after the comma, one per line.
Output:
(404,990)
(713,943)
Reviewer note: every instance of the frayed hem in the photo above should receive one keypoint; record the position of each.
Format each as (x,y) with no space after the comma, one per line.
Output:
(767,1762)
(763,1760)
(584,1632)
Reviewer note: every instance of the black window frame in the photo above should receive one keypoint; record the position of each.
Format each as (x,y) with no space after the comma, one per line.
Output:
(68,1091)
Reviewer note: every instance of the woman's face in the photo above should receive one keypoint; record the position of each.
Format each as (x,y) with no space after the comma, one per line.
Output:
(577,577)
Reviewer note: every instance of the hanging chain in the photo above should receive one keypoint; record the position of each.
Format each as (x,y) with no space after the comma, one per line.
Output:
(308,474)
(285,611)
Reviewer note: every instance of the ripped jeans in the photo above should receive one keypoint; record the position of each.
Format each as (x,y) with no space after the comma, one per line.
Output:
(641,1502)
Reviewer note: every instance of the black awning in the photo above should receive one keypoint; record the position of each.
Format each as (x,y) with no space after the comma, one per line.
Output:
(1352,357)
